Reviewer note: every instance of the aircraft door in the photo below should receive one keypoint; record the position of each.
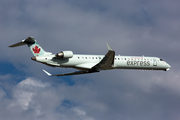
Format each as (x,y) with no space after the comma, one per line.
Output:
(154,62)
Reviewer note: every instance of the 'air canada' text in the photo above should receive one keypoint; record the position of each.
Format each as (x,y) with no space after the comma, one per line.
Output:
(138,63)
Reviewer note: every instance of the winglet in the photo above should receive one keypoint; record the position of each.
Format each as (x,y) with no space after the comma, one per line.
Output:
(109,47)
(47,73)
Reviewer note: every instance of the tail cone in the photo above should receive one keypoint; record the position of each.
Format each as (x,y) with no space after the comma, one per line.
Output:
(33,58)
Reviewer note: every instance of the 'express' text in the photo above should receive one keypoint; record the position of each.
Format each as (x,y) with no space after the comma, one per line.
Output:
(137,63)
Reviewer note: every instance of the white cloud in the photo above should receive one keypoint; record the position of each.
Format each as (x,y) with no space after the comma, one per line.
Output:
(26,90)
(82,114)
(104,98)
(40,100)
(2,94)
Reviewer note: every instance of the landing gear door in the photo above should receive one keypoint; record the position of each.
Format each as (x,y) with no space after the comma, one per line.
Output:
(154,62)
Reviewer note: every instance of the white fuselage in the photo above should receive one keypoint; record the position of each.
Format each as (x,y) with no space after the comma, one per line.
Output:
(91,63)
(85,62)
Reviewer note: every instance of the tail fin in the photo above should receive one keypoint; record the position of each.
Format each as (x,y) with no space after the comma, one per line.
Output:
(35,48)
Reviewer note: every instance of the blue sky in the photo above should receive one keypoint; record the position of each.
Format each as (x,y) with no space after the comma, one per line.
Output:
(131,27)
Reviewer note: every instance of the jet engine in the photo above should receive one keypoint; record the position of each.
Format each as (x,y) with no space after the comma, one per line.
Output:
(65,54)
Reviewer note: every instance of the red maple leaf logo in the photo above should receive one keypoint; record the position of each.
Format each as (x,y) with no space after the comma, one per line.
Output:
(36,49)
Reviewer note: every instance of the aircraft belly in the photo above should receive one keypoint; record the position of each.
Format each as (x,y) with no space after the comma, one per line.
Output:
(78,63)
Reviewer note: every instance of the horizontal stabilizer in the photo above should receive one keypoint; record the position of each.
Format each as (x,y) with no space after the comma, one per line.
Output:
(29,40)
(18,44)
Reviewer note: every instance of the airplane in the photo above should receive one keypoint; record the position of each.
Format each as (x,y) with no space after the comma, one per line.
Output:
(91,63)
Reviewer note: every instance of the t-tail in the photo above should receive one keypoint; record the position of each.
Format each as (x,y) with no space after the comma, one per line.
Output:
(35,48)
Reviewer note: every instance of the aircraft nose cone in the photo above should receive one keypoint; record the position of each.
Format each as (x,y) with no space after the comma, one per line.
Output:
(33,58)
(168,65)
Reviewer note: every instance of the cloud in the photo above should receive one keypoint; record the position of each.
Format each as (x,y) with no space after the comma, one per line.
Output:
(105,97)
(5,77)
(26,90)
(33,99)
(82,114)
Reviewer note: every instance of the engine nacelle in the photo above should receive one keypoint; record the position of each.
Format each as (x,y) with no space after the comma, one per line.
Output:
(65,54)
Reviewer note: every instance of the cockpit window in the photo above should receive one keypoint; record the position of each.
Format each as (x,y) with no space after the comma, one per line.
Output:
(161,59)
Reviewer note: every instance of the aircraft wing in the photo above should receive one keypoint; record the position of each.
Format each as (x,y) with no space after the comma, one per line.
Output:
(107,61)
(73,73)
(104,64)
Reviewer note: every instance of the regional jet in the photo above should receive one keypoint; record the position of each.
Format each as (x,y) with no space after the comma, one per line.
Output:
(91,63)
